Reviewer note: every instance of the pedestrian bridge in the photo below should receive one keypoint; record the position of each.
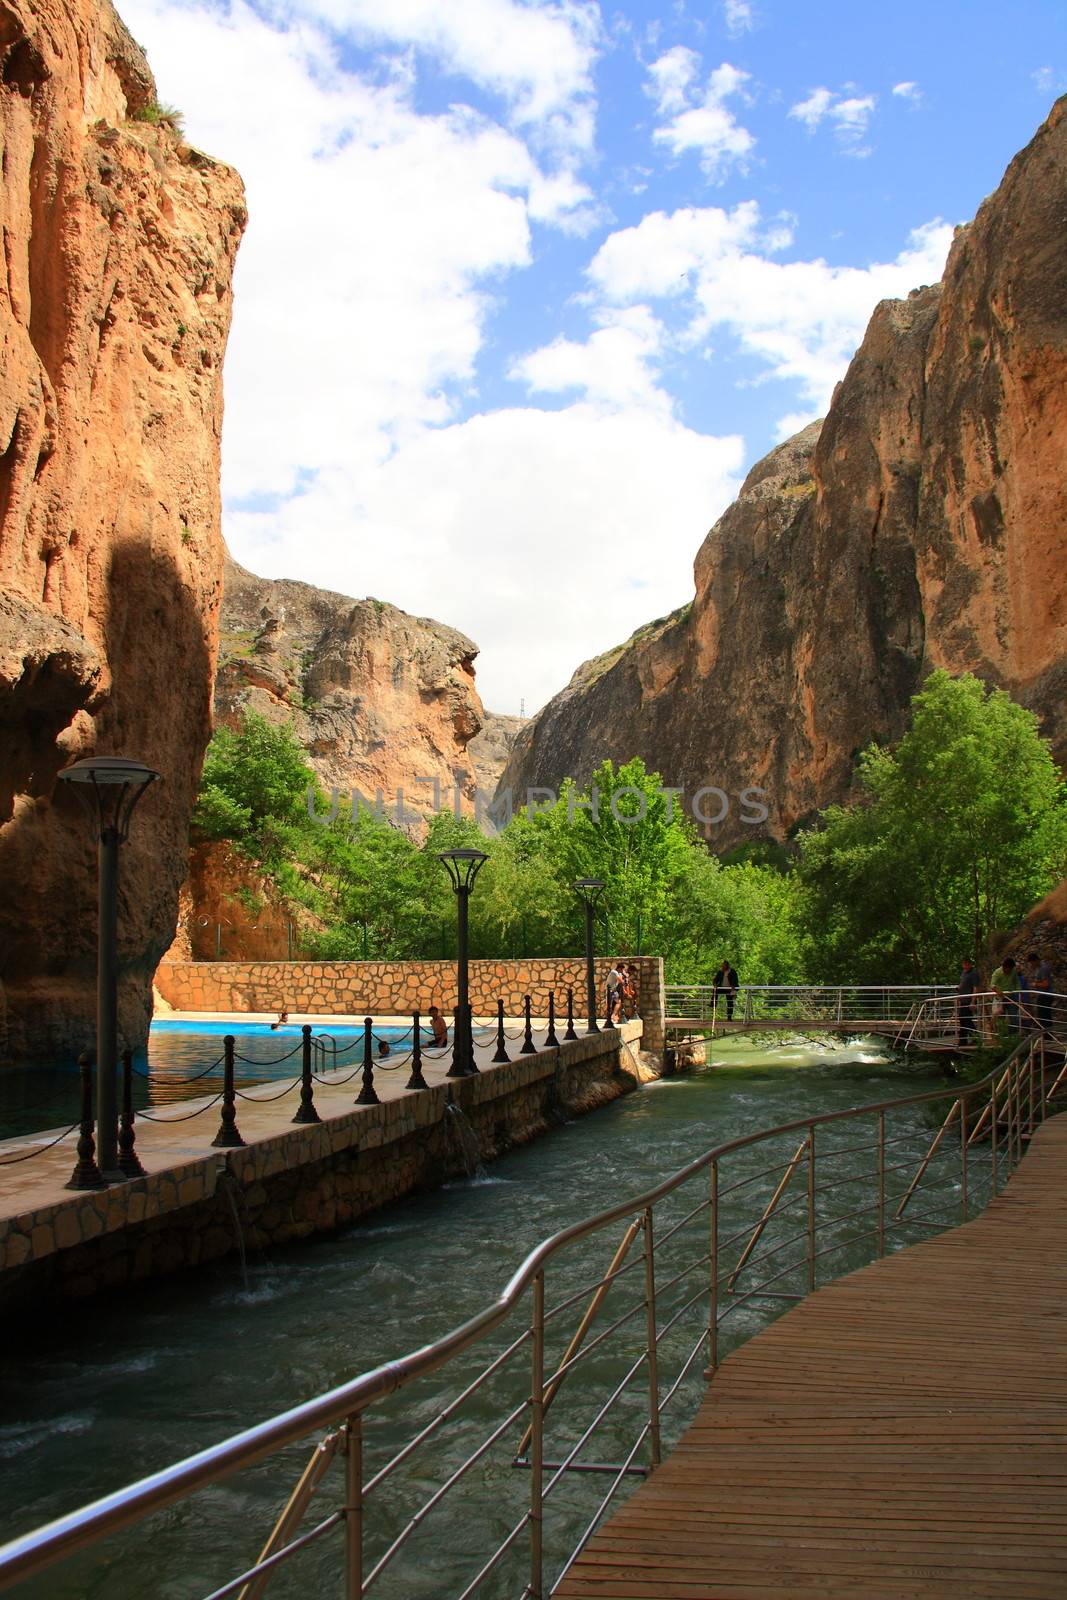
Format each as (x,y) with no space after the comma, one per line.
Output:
(912,1016)
(902,1430)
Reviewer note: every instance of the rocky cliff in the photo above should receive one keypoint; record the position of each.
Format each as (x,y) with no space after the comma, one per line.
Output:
(378,698)
(922,524)
(114,312)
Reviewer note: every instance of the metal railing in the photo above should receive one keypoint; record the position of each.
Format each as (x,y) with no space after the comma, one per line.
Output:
(759,1221)
(793,1002)
(923,1012)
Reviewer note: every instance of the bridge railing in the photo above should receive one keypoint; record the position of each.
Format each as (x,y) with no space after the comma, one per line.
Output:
(812,1003)
(481,1463)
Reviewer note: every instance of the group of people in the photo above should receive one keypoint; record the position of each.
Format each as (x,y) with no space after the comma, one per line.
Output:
(623,985)
(1023,1001)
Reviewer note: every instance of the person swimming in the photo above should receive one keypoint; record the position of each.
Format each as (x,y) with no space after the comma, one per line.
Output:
(283,1018)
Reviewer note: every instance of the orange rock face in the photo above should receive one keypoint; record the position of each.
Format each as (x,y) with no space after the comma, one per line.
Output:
(923,524)
(114,312)
(378,698)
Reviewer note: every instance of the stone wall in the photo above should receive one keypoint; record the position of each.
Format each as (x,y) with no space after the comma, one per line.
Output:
(391,988)
(304,1180)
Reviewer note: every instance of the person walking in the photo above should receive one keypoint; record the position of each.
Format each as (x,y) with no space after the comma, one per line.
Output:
(1005,985)
(965,992)
(726,983)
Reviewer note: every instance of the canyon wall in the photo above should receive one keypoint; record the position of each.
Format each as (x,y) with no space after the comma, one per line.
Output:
(377,698)
(922,524)
(114,312)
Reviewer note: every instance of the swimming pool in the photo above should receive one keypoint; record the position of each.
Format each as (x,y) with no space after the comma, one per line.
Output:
(46,1096)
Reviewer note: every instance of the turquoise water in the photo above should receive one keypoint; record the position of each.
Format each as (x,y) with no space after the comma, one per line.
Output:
(36,1097)
(111,1391)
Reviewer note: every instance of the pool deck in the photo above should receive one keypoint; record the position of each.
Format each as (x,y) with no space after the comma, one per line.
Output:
(40,1215)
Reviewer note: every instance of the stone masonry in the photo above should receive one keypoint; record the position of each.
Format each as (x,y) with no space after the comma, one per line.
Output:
(397,988)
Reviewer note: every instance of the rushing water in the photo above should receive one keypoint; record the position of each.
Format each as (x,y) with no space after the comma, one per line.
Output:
(116,1389)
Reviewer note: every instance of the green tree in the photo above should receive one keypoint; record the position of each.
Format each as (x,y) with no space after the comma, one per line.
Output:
(254,788)
(958,831)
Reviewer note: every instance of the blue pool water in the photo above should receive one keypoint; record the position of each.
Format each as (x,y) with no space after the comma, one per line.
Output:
(42,1096)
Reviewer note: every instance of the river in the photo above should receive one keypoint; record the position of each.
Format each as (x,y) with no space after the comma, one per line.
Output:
(112,1390)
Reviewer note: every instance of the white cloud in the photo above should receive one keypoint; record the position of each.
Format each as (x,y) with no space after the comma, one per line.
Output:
(812,110)
(738,17)
(538,57)
(801,320)
(848,115)
(548,536)
(1048,81)
(615,367)
(672,75)
(908,91)
(379,241)
(703,121)
(376,240)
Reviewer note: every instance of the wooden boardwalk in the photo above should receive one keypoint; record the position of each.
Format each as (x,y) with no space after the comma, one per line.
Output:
(903,1432)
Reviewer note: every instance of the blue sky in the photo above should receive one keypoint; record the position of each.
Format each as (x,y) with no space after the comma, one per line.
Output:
(528,287)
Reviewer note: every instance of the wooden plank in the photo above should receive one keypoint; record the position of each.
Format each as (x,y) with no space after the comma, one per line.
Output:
(902,1432)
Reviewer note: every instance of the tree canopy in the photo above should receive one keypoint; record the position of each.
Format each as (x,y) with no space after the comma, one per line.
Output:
(954,834)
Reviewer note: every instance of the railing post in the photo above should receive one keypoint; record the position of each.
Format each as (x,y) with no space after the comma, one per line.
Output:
(528,1047)
(228,1136)
(1030,1087)
(994,1133)
(963,1154)
(501,1053)
(550,1036)
(713,1307)
(368,1095)
(129,1162)
(1044,1103)
(306,1112)
(537,1437)
(86,1174)
(811,1206)
(416,1081)
(354,1508)
(571,1032)
(651,1341)
(881,1184)
(472,1065)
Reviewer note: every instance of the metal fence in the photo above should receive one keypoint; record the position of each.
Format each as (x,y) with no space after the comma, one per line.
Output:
(811,1003)
(509,1439)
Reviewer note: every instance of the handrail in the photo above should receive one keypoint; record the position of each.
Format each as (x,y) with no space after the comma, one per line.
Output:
(345,1403)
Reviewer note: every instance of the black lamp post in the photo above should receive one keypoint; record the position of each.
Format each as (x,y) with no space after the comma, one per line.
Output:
(589,891)
(109,787)
(462,866)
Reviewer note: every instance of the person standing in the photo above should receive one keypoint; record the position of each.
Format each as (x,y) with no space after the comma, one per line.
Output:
(633,989)
(615,989)
(965,991)
(726,983)
(1039,981)
(1005,985)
